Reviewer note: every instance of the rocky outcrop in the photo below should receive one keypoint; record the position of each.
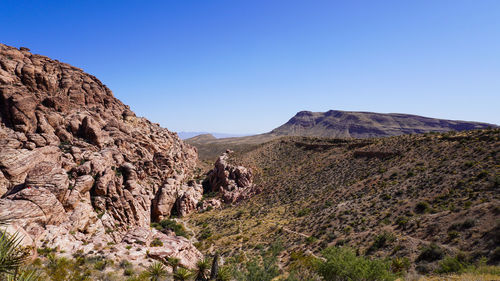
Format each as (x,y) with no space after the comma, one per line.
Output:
(233,182)
(78,169)
(209,204)
(180,199)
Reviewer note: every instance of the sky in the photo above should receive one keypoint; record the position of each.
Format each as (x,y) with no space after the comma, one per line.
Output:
(247,67)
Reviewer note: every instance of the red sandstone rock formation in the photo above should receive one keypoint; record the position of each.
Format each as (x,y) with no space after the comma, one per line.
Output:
(233,182)
(78,169)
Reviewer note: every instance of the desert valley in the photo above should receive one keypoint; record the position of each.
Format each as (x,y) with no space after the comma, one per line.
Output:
(91,191)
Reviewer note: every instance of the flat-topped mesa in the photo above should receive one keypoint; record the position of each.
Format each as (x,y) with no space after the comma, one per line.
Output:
(66,139)
(352,124)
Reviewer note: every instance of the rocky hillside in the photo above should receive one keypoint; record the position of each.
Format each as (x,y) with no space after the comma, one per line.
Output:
(79,171)
(415,198)
(350,124)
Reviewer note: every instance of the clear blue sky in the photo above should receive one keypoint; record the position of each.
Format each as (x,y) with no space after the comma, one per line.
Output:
(248,66)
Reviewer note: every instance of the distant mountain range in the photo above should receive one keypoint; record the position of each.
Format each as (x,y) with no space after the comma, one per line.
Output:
(336,124)
(187,135)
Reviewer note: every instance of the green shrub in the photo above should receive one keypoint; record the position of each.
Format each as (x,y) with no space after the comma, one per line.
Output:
(422,207)
(468,223)
(264,268)
(402,221)
(46,251)
(224,274)
(400,265)
(128,271)
(156,243)
(452,235)
(125,264)
(430,253)
(172,225)
(100,265)
(381,241)
(311,239)
(386,196)
(303,212)
(451,265)
(205,233)
(343,264)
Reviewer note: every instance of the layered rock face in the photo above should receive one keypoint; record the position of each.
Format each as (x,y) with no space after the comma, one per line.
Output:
(234,183)
(78,169)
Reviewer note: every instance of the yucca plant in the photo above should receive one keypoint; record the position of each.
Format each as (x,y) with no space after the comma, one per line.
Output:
(224,274)
(27,275)
(182,274)
(13,257)
(173,262)
(202,269)
(156,271)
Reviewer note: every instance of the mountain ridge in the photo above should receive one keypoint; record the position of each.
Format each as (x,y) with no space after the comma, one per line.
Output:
(365,124)
(337,124)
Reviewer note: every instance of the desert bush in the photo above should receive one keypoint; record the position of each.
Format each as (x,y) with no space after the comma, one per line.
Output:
(172,225)
(128,271)
(381,241)
(224,274)
(452,235)
(422,207)
(468,223)
(260,268)
(205,233)
(430,253)
(100,265)
(402,221)
(156,243)
(343,264)
(400,265)
(311,239)
(452,265)
(303,212)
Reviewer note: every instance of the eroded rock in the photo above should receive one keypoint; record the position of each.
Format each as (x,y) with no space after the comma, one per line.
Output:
(78,168)
(233,182)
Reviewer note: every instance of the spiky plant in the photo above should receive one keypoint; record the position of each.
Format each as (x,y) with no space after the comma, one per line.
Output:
(173,262)
(13,256)
(224,274)
(27,275)
(182,274)
(202,269)
(156,271)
